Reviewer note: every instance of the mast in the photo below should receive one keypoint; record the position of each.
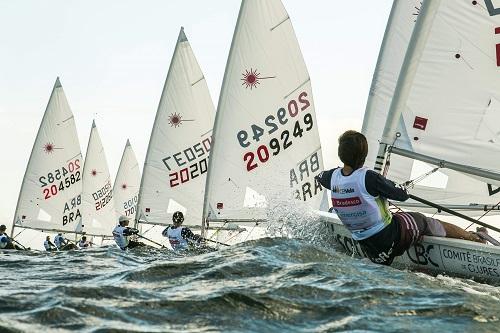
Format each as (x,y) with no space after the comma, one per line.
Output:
(216,124)
(408,71)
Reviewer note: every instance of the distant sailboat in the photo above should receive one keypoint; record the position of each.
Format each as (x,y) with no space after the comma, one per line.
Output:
(127,183)
(98,210)
(266,147)
(442,113)
(177,158)
(50,196)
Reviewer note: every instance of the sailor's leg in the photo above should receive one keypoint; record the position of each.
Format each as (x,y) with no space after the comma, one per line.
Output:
(453,231)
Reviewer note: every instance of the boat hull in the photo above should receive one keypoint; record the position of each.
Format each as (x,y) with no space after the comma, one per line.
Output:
(433,255)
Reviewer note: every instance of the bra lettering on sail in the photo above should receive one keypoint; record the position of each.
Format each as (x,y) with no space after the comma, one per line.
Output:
(492,10)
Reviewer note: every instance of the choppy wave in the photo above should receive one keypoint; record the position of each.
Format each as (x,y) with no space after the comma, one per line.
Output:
(268,285)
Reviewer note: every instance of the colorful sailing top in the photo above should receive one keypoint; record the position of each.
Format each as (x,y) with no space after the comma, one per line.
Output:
(360,199)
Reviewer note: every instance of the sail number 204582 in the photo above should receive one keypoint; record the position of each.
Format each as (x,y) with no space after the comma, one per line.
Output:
(61,179)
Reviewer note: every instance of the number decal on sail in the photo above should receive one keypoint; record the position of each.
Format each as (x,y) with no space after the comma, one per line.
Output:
(188,155)
(497,31)
(58,174)
(188,173)
(278,145)
(293,108)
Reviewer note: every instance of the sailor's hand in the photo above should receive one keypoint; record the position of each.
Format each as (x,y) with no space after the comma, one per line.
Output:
(133,231)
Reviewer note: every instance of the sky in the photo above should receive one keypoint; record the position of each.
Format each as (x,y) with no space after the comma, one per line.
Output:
(112,58)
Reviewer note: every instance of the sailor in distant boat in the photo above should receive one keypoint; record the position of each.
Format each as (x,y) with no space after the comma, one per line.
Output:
(122,232)
(5,241)
(84,243)
(48,245)
(178,236)
(62,243)
(359,197)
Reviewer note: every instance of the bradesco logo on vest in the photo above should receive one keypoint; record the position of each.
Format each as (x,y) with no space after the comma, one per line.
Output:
(346,202)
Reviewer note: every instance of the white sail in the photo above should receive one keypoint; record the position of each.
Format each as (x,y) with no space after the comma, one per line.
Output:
(127,183)
(449,100)
(98,211)
(266,143)
(50,193)
(177,158)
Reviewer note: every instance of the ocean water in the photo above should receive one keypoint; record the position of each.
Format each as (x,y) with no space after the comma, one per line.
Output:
(266,285)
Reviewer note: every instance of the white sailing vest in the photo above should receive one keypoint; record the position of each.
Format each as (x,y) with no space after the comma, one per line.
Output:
(83,244)
(58,241)
(175,238)
(46,245)
(120,239)
(363,214)
(3,241)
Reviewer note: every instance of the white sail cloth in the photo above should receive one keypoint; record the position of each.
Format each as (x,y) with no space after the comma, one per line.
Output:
(177,158)
(50,193)
(266,142)
(98,211)
(127,183)
(450,106)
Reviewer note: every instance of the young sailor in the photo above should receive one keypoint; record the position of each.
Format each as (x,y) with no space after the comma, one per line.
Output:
(84,243)
(5,241)
(359,197)
(178,236)
(122,232)
(48,245)
(59,241)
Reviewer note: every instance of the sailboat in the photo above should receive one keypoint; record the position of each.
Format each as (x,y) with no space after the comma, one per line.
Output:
(50,197)
(440,134)
(127,183)
(98,210)
(266,149)
(176,161)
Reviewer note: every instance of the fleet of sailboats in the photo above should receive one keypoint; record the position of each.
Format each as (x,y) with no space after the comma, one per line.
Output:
(429,122)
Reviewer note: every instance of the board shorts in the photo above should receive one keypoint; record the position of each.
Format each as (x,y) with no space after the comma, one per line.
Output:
(405,229)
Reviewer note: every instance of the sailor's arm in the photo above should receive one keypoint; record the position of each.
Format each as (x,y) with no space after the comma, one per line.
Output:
(325,178)
(376,185)
(186,233)
(130,231)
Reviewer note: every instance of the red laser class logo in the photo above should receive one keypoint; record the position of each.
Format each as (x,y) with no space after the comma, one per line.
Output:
(252,78)
(124,186)
(49,148)
(176,119)
(93,173)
